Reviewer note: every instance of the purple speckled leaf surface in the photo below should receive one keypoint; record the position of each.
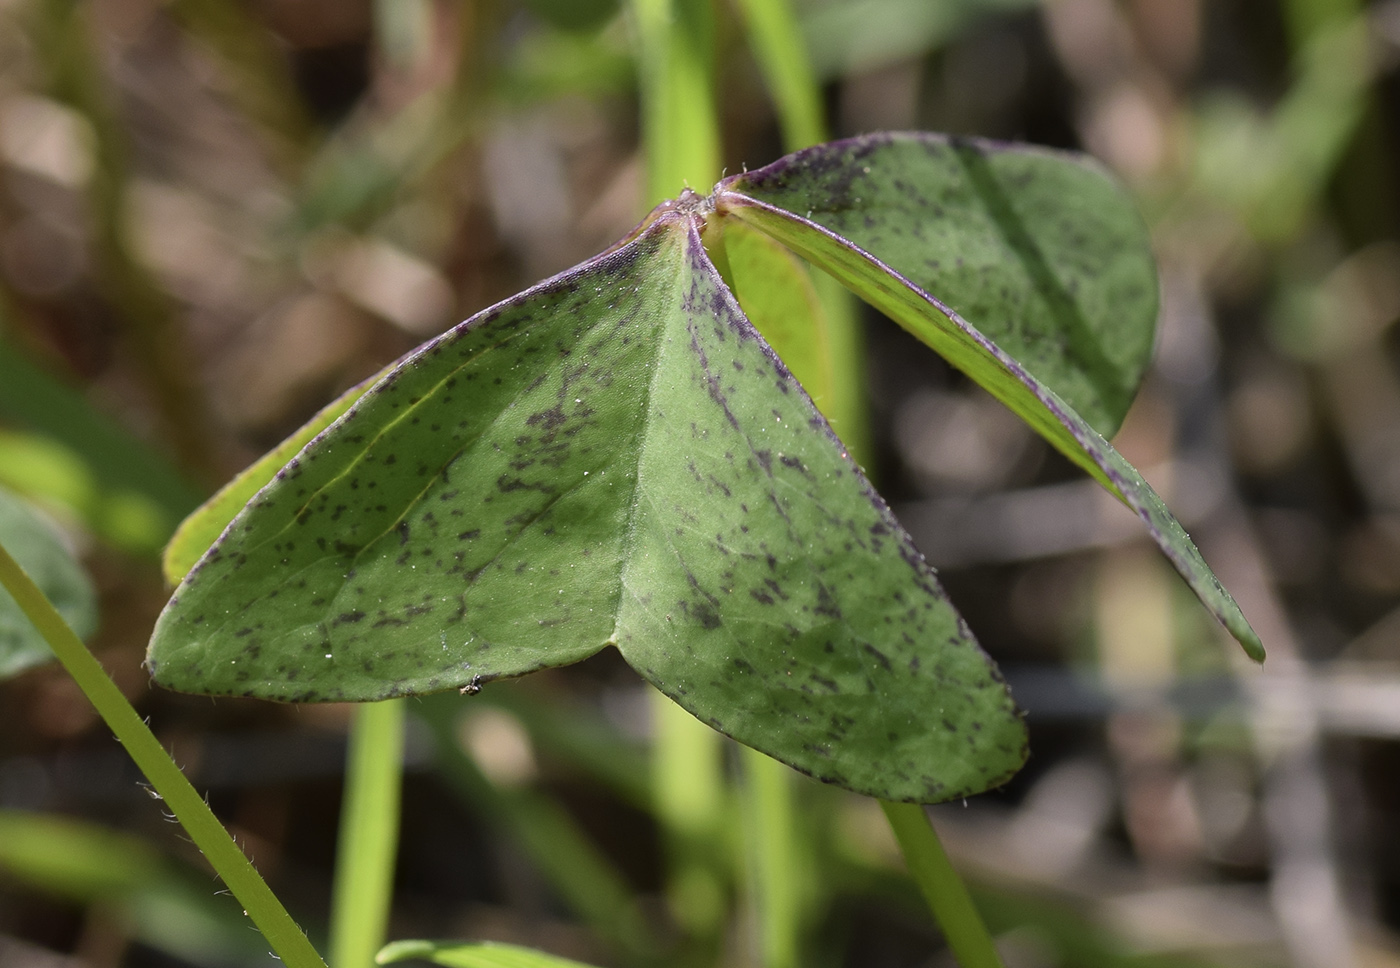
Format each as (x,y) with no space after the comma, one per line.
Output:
(966,343)
(1040,249)
(614,457)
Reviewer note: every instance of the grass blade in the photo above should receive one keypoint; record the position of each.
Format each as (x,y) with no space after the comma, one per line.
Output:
(188,806)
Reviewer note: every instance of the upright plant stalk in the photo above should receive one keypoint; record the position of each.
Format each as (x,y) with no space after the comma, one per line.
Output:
(680,128)
(267,913)
(775,39)
(688,785)
(953,909)
(781,54)
(369,832)
(680,135)
(772,853)
(782,57)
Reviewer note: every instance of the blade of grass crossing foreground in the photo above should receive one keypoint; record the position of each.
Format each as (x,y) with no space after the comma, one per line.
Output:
(945,892)
(369,832)
(267,913)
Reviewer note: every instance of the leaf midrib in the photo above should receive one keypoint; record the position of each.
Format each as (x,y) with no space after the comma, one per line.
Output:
(634,503)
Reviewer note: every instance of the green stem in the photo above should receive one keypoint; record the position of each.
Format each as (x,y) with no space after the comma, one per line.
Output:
(369,830)
(945,892)
(680,126)
(782,57)
(276,925)
(680,133)
(773,858)
(582,875)
(689,799)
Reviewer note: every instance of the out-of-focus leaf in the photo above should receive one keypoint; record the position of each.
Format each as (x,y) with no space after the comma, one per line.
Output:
(56,478)
(168,907)
(1272,168)
(33,544)
(547,64)
(348,183)
(74,859)
(574,14)
(851,36)
(108,473)
(614,457)
(487,954)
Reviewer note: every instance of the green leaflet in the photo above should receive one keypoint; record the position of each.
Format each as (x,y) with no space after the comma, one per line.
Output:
(964,345)
(613,457)
(38,551)
(1041,250)
(457,954)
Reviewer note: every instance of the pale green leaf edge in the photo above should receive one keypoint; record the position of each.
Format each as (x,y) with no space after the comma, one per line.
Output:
(204,525)
(462,954)
(964,346)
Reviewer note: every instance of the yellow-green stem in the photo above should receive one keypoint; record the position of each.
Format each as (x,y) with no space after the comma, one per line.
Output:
(945,892)
(267,913)
(680,134)
(773,859)
(369,834)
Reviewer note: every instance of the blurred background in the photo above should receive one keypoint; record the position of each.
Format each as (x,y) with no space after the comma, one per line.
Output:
(215,215)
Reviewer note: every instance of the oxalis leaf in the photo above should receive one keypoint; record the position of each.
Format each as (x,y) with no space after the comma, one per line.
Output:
(33,543)
(613,457)
(1043,252)
(1041,245)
